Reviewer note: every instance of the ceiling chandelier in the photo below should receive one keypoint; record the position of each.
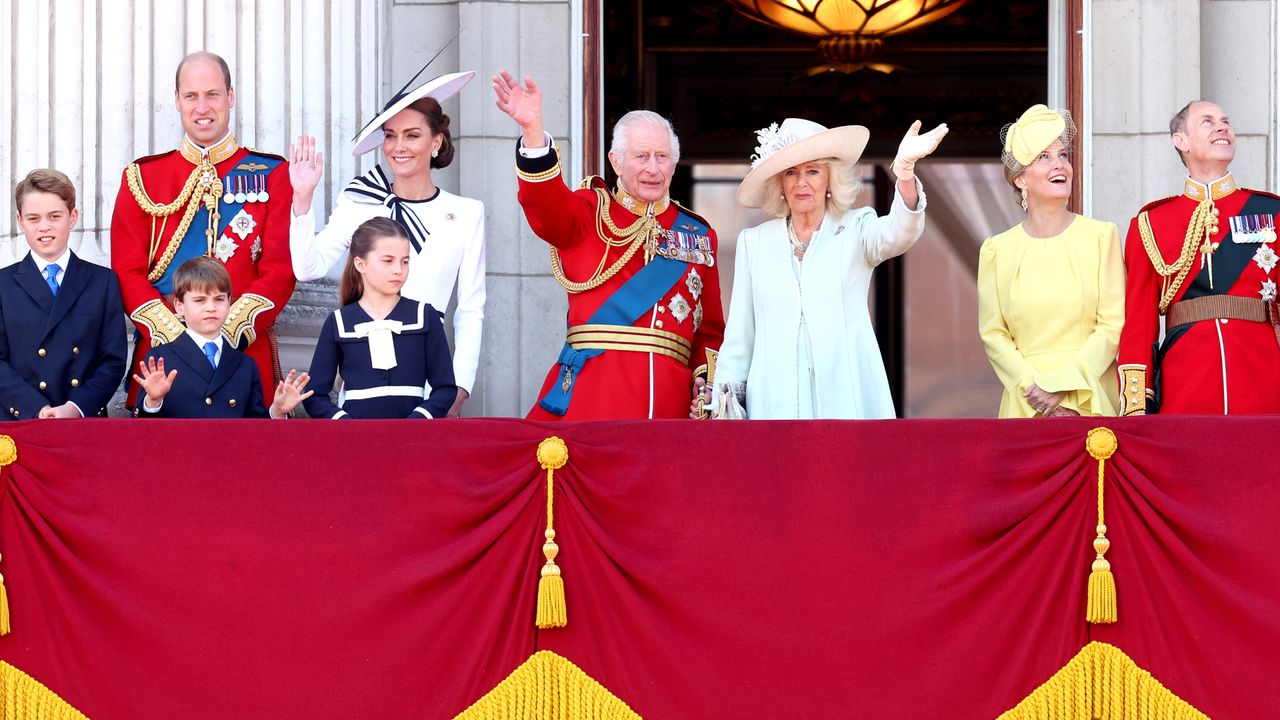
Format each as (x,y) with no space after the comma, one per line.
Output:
(852,31)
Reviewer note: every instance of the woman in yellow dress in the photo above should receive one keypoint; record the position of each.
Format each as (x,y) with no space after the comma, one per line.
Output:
(1050,289)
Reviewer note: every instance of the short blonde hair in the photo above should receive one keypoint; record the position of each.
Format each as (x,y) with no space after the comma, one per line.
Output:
(842,181)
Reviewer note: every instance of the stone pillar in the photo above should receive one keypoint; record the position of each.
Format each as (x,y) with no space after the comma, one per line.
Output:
(524,314)
(1151,57)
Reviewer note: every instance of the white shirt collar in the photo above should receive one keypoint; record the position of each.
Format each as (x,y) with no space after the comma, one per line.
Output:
(61,262)
(201,340)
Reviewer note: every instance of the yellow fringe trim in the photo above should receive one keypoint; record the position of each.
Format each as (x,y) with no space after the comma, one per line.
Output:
(8,455)
(1102,682)
(548,687)
(22,697)
(552,455)
(1101,444)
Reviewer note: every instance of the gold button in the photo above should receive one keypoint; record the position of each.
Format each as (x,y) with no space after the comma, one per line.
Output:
(661,309)
(75,382)
(208,401)
(41,352)
(658,324)
(75,351)
(232,402)
(43,384)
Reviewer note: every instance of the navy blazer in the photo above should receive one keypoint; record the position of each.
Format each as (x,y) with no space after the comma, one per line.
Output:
(421,385)
(54,350)
(232,390)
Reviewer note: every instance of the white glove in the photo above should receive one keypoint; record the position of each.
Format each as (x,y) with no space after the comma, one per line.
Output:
(915,146)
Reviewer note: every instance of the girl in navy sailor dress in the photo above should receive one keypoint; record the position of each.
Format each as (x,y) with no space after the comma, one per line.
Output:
(390,351)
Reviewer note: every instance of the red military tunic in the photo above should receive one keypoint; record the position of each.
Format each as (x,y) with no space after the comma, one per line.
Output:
(622,383)
(251,239)
(1217,364)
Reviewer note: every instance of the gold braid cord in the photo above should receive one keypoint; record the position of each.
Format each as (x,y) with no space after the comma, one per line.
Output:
(8,455)
(1203,219)
(548,687)
(203,178)
(552,455)
(22,697)
(1101,444)
(645,230)
(1102,682)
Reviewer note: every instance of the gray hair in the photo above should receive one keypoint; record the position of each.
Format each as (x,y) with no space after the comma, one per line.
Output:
(843,183)
(1178,124)
(621,131)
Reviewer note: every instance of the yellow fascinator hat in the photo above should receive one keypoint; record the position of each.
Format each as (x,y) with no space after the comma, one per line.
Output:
(1034,132)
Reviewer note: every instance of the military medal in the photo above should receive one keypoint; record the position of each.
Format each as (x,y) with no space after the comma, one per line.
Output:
(228,197)
(262,188)
(252,195)
(1253,228)
(240,196)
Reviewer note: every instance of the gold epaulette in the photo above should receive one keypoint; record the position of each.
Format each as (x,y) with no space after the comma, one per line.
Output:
(162,325)
(244,312)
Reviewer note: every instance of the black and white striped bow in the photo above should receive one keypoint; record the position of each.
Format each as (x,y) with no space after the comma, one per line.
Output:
(375,186)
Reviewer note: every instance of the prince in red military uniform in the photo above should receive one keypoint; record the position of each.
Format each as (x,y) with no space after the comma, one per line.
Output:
(208,197)
(1206,260)
(644,292)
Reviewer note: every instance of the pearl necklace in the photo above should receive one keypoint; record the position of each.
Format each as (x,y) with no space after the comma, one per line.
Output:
(798,247)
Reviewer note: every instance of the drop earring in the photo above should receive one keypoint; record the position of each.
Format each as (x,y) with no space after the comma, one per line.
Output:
(1024,199)
(435,153)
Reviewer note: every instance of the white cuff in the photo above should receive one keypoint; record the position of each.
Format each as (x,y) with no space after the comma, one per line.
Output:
(532,153)
(425,414)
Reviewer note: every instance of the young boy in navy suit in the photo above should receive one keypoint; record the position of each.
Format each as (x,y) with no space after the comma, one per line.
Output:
(207,377)
(62,340)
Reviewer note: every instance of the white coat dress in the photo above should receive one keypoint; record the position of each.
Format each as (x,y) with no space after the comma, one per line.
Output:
(763,342)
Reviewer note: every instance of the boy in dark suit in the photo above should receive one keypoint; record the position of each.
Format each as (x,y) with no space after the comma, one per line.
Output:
(207,377)
(62,342)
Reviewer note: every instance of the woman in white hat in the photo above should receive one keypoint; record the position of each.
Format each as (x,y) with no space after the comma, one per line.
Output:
(446,232)
(799,341)
(1050,289)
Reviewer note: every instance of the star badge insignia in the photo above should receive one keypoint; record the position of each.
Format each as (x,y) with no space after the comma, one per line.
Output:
(679,307)
(243,224)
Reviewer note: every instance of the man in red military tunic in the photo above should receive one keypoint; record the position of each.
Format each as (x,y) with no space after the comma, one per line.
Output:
(208,197)
(644,292)
(1206,261)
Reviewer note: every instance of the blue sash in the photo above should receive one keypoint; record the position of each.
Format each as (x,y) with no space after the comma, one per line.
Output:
(633,299)
(194,243)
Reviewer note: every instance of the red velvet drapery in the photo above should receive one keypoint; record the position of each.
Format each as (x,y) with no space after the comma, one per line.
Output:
(910,569)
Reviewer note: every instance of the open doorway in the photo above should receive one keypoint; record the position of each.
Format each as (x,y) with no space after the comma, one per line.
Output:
(720,76)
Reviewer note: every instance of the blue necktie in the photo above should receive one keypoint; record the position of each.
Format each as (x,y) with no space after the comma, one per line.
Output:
(211,352)
(51,274)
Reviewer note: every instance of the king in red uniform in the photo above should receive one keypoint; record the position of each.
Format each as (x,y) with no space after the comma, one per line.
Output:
(644,292)
(208,197)
(1206,261)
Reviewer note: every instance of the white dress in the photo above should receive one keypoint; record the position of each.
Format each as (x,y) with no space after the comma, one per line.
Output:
(450,232)
(802,341)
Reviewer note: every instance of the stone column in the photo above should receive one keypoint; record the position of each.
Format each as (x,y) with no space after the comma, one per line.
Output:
(1151,57)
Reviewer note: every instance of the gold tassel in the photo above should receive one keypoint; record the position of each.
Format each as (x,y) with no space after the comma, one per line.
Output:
(8,454)
(1101,444)
(552,455)
(4,608)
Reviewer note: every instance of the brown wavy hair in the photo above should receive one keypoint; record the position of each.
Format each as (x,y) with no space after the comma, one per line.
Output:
(362,241)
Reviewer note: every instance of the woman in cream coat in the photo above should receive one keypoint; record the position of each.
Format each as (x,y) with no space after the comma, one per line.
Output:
(1050,289)
(799,341)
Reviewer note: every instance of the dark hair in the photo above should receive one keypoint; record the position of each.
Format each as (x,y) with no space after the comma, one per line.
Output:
(202,55)
(439,124)
(201,273)
(1178,124)
(362,241)
(45,180)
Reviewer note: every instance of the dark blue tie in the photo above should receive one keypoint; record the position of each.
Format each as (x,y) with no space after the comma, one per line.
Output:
(211,352)
(51,274)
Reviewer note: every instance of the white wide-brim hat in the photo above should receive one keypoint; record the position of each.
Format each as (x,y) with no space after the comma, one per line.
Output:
(797,141)
(441,88)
